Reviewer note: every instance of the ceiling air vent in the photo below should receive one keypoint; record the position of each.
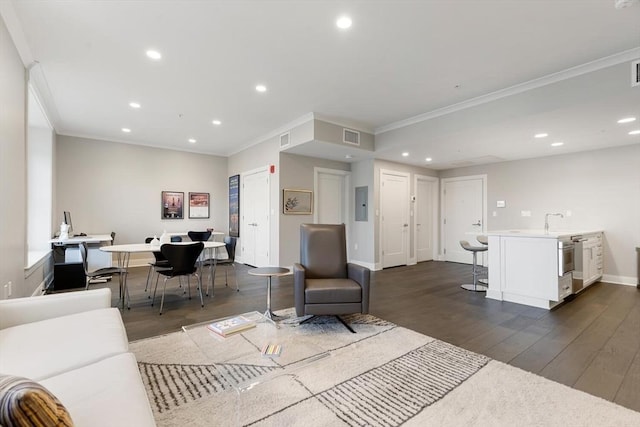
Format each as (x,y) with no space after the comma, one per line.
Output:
(350,137)
(285,140)
(635,73)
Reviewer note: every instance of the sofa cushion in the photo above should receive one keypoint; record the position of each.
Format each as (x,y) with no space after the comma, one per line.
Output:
(24,402)
(329,291)
(42,349)
(106,393)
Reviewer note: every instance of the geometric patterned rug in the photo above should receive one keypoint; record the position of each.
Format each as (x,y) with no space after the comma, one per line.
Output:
(384,375)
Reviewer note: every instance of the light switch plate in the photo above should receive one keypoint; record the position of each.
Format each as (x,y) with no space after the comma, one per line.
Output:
(501,204)
(525,213)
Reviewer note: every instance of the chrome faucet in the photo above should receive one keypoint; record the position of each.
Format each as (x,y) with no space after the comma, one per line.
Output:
(546,220)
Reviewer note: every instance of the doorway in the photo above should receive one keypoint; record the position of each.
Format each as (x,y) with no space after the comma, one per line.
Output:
(254,227)
(464,201)
(332,196)
(425,214)
(394,220)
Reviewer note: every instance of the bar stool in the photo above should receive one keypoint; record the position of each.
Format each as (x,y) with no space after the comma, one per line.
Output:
(475,287)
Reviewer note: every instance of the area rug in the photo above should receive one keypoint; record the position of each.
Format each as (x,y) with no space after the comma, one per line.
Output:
(384,375)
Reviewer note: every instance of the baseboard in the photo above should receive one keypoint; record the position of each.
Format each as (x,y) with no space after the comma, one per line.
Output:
(620,280)
(363,264)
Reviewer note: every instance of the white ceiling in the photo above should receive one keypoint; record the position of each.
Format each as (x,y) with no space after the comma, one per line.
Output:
(400,60)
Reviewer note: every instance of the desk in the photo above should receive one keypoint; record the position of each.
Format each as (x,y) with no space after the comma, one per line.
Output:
(71,254)
(124,253)
(269,272)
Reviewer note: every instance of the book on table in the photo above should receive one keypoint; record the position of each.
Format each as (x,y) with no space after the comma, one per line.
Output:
(231,325)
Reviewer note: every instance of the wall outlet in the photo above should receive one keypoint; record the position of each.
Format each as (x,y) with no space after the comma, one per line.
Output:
(355,247)
(525,213)
(8,289)
(569,213)
(495,213)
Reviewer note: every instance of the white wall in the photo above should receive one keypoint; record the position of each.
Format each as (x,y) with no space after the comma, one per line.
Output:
(110,186)
(601,189)
(298,173)
(362,232)
(13,215)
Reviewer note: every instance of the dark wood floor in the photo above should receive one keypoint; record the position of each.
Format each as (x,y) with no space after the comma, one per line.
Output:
(591,343)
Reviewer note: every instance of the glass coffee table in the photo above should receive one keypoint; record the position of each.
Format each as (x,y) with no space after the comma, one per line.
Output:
(239,359)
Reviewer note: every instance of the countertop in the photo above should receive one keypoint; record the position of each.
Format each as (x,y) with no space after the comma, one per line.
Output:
(540,233)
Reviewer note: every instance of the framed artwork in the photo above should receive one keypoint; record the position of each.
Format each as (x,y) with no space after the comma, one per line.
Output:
(234,206)
(172,205)
(198,205)
(297,202)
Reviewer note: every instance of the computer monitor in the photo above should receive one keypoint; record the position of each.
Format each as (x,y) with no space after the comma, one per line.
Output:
(67,220)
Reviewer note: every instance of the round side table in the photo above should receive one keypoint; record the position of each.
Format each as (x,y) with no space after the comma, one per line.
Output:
(269,272)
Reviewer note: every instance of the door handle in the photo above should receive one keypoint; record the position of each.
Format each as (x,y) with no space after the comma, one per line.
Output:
(478,223)
(405,225)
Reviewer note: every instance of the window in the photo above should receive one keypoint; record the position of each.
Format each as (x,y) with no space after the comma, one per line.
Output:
(39,180)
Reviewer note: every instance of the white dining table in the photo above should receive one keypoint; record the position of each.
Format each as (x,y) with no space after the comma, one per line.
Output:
(124,252)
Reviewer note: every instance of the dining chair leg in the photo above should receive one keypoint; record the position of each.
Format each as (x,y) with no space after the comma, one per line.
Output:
(235,273)
(189,286)
(199,277)
(146,286)
(154,291)
(164,288)
(123,281)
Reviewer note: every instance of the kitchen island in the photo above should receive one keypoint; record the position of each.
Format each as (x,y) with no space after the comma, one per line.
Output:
(536,267)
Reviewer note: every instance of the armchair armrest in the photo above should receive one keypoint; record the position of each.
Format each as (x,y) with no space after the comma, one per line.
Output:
(298,288)
(361,275)
(19,311)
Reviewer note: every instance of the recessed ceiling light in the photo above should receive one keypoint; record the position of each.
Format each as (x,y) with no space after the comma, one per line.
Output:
(557,144)
(126,130)
(541,135)
(134,105)
(261,88)
(405,154)
(348,156)
(217,122)
(428,159)
(635,132)
(627,120)
(154,54)
(344,22)
(191,140)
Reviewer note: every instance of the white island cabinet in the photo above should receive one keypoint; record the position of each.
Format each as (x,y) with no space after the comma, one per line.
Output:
(524,266)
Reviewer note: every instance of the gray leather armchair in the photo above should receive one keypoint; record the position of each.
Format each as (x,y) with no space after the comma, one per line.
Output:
(324,282)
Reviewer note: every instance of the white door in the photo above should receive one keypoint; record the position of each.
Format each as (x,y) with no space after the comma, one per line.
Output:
(255,218)
(394,207)
(331,189)
(463,215)
(424,208)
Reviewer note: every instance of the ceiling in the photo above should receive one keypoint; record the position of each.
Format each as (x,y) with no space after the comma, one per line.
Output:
(459,81)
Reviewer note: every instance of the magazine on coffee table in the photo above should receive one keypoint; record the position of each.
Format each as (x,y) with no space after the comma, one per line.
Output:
(231,325)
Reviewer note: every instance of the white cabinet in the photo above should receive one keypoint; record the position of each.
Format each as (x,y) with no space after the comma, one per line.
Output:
(524,264)
(592,255)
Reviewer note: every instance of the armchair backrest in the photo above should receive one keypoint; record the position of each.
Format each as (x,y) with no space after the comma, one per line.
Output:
(323,250)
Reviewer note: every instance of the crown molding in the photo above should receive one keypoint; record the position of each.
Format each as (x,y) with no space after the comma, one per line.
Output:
(598,64)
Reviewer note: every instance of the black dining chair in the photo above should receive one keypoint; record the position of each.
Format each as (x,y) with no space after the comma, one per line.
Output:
(182,260)
(199,236)
(159,263)
(230,246)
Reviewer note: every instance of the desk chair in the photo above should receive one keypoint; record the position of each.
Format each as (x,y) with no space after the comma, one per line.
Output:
(475,286)
(182,259)
(101,272)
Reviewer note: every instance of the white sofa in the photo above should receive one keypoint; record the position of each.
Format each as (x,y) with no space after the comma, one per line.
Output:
(75,345)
